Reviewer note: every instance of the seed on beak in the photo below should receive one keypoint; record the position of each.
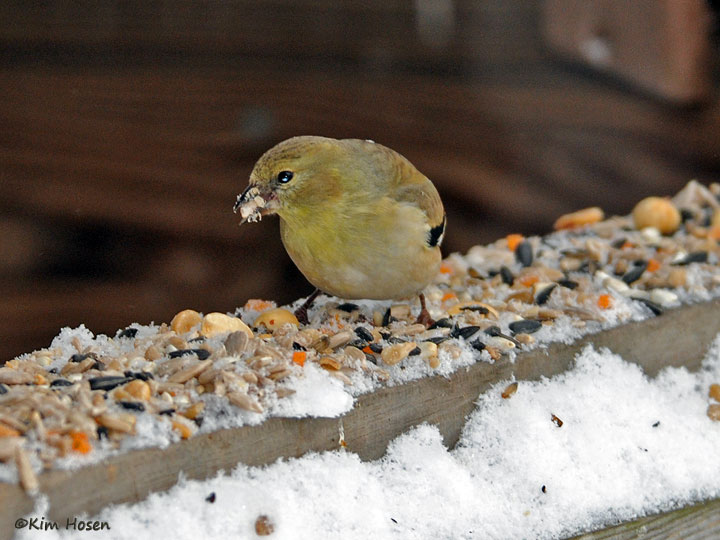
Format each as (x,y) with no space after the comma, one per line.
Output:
(249,202)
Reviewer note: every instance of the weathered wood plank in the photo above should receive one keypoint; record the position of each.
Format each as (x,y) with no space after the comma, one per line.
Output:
(679,337)
(697,522)
(662,46)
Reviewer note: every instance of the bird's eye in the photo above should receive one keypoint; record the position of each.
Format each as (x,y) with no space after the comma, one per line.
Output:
(284,177)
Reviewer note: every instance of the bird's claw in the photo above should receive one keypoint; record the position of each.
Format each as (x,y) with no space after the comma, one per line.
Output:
(424,318)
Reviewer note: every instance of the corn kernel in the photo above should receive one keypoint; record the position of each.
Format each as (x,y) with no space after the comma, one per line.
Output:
(656,212)
(219,323)
(185,320)
(275,318)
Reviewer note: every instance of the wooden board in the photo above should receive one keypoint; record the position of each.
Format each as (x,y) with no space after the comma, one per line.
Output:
(128,128)
(696,522)
(679,337)
(662,46)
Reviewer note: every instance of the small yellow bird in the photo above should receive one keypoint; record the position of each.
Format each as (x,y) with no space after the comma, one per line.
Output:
(357,218)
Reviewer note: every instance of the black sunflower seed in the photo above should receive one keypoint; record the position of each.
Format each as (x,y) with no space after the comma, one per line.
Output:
(4,389)
(202,354)
(438,340)
(694,257)
(349,307)
(441,323)
(298,347)
(620,242)
(524,253)
(363,333)
(507,276)
(127,333)
(526,326)
(568,283)
(387,318)
(634,273)
(544,295)
(142,375)
(61,382)
(132,405)
(477,345)
(652,306)
(494,331)
(81,357)
(465,332)
(415,351)
(376,348)
(107,383)
(479,309)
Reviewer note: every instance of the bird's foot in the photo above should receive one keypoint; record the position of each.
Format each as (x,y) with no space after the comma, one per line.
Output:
(425,319)
(302,312)
(424,316)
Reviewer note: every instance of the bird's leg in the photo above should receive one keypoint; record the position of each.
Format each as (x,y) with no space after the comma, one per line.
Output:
(424,317)
(302,312)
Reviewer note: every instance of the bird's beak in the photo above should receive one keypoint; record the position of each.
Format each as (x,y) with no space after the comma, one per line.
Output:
(254,203)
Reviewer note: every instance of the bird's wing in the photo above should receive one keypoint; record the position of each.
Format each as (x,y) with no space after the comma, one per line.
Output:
(420,191)
(393,175)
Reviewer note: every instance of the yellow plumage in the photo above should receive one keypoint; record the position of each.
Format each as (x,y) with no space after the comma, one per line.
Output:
(357,218)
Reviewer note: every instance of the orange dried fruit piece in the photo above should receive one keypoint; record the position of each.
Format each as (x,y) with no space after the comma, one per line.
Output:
(604,301)
(529,280)
(299,357)
(448,296)
(653,265)
(80,442)
(513,241)
(257,304)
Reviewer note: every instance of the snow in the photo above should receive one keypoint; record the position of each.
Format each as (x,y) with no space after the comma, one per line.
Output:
(628,446)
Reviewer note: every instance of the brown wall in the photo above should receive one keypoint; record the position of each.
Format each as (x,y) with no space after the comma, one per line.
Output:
(127,129)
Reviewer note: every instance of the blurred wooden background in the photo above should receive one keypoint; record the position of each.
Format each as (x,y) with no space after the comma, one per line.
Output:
(128,127)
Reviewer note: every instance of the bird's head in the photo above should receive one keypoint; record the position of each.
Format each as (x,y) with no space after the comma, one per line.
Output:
(293,177)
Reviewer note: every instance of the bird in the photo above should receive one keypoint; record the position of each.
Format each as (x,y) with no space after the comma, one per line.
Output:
(356,217)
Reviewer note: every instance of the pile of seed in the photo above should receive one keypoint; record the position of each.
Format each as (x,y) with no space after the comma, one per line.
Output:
(92,392)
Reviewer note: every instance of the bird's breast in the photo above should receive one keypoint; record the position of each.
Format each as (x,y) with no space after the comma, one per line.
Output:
(376,253)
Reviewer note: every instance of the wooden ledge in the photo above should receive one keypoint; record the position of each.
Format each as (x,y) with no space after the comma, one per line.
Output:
(679,337)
